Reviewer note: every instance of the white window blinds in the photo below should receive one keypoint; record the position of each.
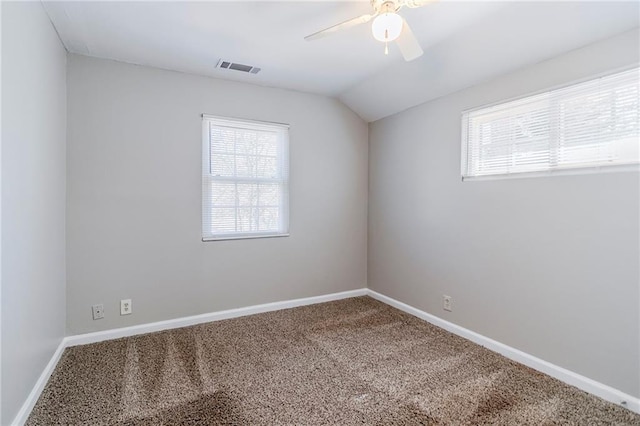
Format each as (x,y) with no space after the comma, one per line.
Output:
(245,179)
(590,124)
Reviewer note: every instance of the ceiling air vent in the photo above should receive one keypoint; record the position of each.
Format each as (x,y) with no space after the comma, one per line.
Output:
(228,65)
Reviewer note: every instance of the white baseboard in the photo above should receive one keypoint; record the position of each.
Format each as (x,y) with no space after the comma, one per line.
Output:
(99,336)
(26,408)
(581,382)
(588,385)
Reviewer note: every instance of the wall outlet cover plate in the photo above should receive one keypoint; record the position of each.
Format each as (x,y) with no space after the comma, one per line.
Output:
(125,307)
(97,311)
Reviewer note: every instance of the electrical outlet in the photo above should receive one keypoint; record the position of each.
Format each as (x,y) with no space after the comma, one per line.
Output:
(446,302)
(125,307)
(98,311)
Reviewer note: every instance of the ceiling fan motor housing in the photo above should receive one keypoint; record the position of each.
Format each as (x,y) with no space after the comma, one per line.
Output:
(386,6)
(387,26)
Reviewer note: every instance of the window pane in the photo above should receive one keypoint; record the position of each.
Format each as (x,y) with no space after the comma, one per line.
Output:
(249,155)
(246,219)
(223,194)
(223,220)
(223,165)
(245,179)
(269,218)
(595,123)
(222,139)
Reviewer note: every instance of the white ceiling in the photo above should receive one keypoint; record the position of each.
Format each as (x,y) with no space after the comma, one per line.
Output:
(520,34)
(464,42)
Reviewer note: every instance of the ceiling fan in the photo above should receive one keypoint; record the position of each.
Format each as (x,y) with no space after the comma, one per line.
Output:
(387,26)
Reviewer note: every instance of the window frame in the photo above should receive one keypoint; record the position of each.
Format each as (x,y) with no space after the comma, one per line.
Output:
(242,123)
(587,169)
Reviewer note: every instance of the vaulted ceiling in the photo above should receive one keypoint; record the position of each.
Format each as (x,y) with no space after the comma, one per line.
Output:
(464,42)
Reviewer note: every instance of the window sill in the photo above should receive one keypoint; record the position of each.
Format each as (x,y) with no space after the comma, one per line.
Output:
(558,172)
(242,237)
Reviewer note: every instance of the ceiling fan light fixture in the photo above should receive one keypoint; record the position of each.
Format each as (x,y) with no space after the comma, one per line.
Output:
(387,27)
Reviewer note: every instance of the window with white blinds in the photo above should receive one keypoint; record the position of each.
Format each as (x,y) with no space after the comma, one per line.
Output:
(245,179)
(587,125)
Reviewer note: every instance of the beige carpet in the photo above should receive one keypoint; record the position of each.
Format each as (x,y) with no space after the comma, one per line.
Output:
(350,362)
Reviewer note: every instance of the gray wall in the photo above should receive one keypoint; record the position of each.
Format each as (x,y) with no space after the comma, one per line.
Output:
(33,198)
(134,197)
(547,265)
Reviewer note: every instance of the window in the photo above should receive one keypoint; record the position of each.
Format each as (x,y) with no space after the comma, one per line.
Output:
(590,124)
(245,179)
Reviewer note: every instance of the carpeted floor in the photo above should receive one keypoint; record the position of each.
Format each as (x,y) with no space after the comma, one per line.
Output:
(350,362)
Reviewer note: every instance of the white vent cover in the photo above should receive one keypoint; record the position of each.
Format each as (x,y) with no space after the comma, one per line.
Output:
(228,65)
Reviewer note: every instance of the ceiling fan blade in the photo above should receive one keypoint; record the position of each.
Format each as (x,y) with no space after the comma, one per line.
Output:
(341,26)
(408,44)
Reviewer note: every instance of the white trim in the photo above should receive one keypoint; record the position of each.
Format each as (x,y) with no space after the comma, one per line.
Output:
(588,385)
(99,336)
(31,400)
(243,237)
(558,169)
(569,377)
(254,123)
(83,339)
(601,168)
(209,179)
